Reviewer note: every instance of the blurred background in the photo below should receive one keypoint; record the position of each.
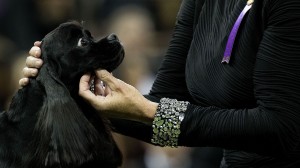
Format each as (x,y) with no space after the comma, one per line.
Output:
(143,26)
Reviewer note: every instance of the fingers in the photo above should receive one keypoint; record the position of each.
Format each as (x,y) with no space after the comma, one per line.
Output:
(30,72)
(107,91)
(35,51)
(84,83)
(23,82)
(33,62)
(37,43)
(99,88)
(108,79)
(84,88)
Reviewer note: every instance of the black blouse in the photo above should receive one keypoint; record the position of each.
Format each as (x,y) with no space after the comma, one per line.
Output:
(251,106)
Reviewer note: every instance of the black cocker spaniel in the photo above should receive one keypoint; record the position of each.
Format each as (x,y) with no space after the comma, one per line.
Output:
(48,125)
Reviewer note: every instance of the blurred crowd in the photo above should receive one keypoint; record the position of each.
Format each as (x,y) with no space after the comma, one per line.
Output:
(143,26)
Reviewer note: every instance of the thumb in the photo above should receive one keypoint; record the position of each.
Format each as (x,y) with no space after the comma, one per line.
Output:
(84,88)
(107,78)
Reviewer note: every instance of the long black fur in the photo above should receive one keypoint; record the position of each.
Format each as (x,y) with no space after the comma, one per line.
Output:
(48,125)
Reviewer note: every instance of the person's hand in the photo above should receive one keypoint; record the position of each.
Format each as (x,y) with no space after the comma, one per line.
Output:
(33,63)
(116,99)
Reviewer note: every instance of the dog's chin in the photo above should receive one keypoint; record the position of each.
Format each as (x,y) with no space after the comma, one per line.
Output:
(110,64)
(111,53)
(115,64)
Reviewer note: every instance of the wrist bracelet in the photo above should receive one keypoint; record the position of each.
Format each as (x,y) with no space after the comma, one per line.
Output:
(167,120)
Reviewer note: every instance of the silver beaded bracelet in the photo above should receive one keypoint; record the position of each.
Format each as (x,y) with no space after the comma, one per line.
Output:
(167,120)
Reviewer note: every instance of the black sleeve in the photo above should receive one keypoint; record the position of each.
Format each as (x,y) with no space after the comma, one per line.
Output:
(273,127)
(170,80)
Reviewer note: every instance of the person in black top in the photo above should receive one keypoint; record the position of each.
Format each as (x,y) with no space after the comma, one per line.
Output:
(249,105)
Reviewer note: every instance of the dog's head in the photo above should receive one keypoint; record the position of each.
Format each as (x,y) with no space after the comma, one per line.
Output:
(71,51)
(67,137)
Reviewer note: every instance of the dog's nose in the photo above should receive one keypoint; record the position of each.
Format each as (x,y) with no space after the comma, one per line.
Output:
(113,37)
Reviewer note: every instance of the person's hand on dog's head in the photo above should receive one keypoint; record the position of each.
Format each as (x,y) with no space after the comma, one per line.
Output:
(33,63)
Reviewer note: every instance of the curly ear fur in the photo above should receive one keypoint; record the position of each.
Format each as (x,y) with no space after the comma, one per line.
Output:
(66,136)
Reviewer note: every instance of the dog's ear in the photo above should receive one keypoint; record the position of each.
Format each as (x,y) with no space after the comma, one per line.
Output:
(65,135)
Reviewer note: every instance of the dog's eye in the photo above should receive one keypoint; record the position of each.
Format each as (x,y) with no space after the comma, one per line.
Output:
(82,42)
